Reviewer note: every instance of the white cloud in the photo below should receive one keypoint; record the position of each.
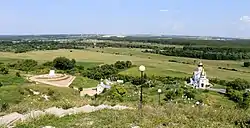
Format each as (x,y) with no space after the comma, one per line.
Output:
(164,10)
(245,19)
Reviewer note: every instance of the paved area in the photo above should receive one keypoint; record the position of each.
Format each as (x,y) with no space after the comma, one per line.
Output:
(10,119)
(64,81)
(88,91)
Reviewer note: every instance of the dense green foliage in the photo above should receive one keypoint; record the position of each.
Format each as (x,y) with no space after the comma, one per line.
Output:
(106,70)
(240,97)
(175,41)
(3,70)
(211,53)
(246,64)
(25,46)
(24,65)
(63,63)
(238,84)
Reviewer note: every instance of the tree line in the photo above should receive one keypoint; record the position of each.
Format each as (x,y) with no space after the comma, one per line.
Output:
(181,41)
(202,54)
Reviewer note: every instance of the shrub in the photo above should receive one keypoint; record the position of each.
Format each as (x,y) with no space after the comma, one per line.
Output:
(4,106)
(170,95)
(18,74)
(190,93)
(238,84)
(50,92)
(246,64)
(25,65)
(48,64)
(80,88)
(67,106)
(117,93)
(3,70)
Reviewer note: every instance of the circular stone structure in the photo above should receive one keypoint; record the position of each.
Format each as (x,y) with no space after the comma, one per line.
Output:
(60,80)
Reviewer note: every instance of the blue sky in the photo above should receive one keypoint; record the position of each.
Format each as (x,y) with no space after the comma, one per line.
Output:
(188,17)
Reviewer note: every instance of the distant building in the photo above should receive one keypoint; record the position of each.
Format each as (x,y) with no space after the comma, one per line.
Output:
(107,36)
(199,79)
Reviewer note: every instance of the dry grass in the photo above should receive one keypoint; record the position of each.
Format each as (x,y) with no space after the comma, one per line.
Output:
(21,100)
(171,115)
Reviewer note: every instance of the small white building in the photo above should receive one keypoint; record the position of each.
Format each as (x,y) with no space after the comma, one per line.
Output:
(51,73)
(199,79)
(100,87)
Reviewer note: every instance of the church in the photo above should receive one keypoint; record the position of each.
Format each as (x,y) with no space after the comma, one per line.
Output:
(199,79)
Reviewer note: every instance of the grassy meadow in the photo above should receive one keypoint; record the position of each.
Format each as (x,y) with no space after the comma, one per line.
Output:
(155,64)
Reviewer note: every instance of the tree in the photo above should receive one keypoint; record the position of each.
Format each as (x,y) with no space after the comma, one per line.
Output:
(63,63)
(246,64)
(120,64)
(128,64)
(73,61)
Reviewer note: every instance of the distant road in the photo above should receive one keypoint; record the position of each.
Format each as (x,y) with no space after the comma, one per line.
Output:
(219,90)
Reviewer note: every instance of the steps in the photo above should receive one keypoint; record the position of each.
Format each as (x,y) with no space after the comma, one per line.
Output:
(10,119)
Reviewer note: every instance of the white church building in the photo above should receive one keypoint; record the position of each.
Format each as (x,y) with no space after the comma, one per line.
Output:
(199,79)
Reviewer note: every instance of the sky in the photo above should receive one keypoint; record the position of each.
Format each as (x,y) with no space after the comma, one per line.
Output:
(228,18)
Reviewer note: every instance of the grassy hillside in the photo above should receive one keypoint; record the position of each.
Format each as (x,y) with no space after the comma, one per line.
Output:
(20,99)
(171,115)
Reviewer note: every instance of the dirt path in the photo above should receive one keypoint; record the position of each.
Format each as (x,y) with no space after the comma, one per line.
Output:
(10,119)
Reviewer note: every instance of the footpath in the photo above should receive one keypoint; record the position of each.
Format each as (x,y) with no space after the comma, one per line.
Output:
(12,118)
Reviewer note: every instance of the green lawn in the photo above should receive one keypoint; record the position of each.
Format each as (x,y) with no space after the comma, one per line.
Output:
(88,64)
(84,82)
(156,72)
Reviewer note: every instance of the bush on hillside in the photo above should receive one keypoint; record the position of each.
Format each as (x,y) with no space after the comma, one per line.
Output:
(3,70)
(123,64)
(48,64)
(246,101)
(4,106)
(24,65)
(118,92)
(18,74)
(238,84)
(246,64)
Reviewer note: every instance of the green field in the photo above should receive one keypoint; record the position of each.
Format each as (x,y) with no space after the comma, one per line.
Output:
(155,64)
(84,82)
